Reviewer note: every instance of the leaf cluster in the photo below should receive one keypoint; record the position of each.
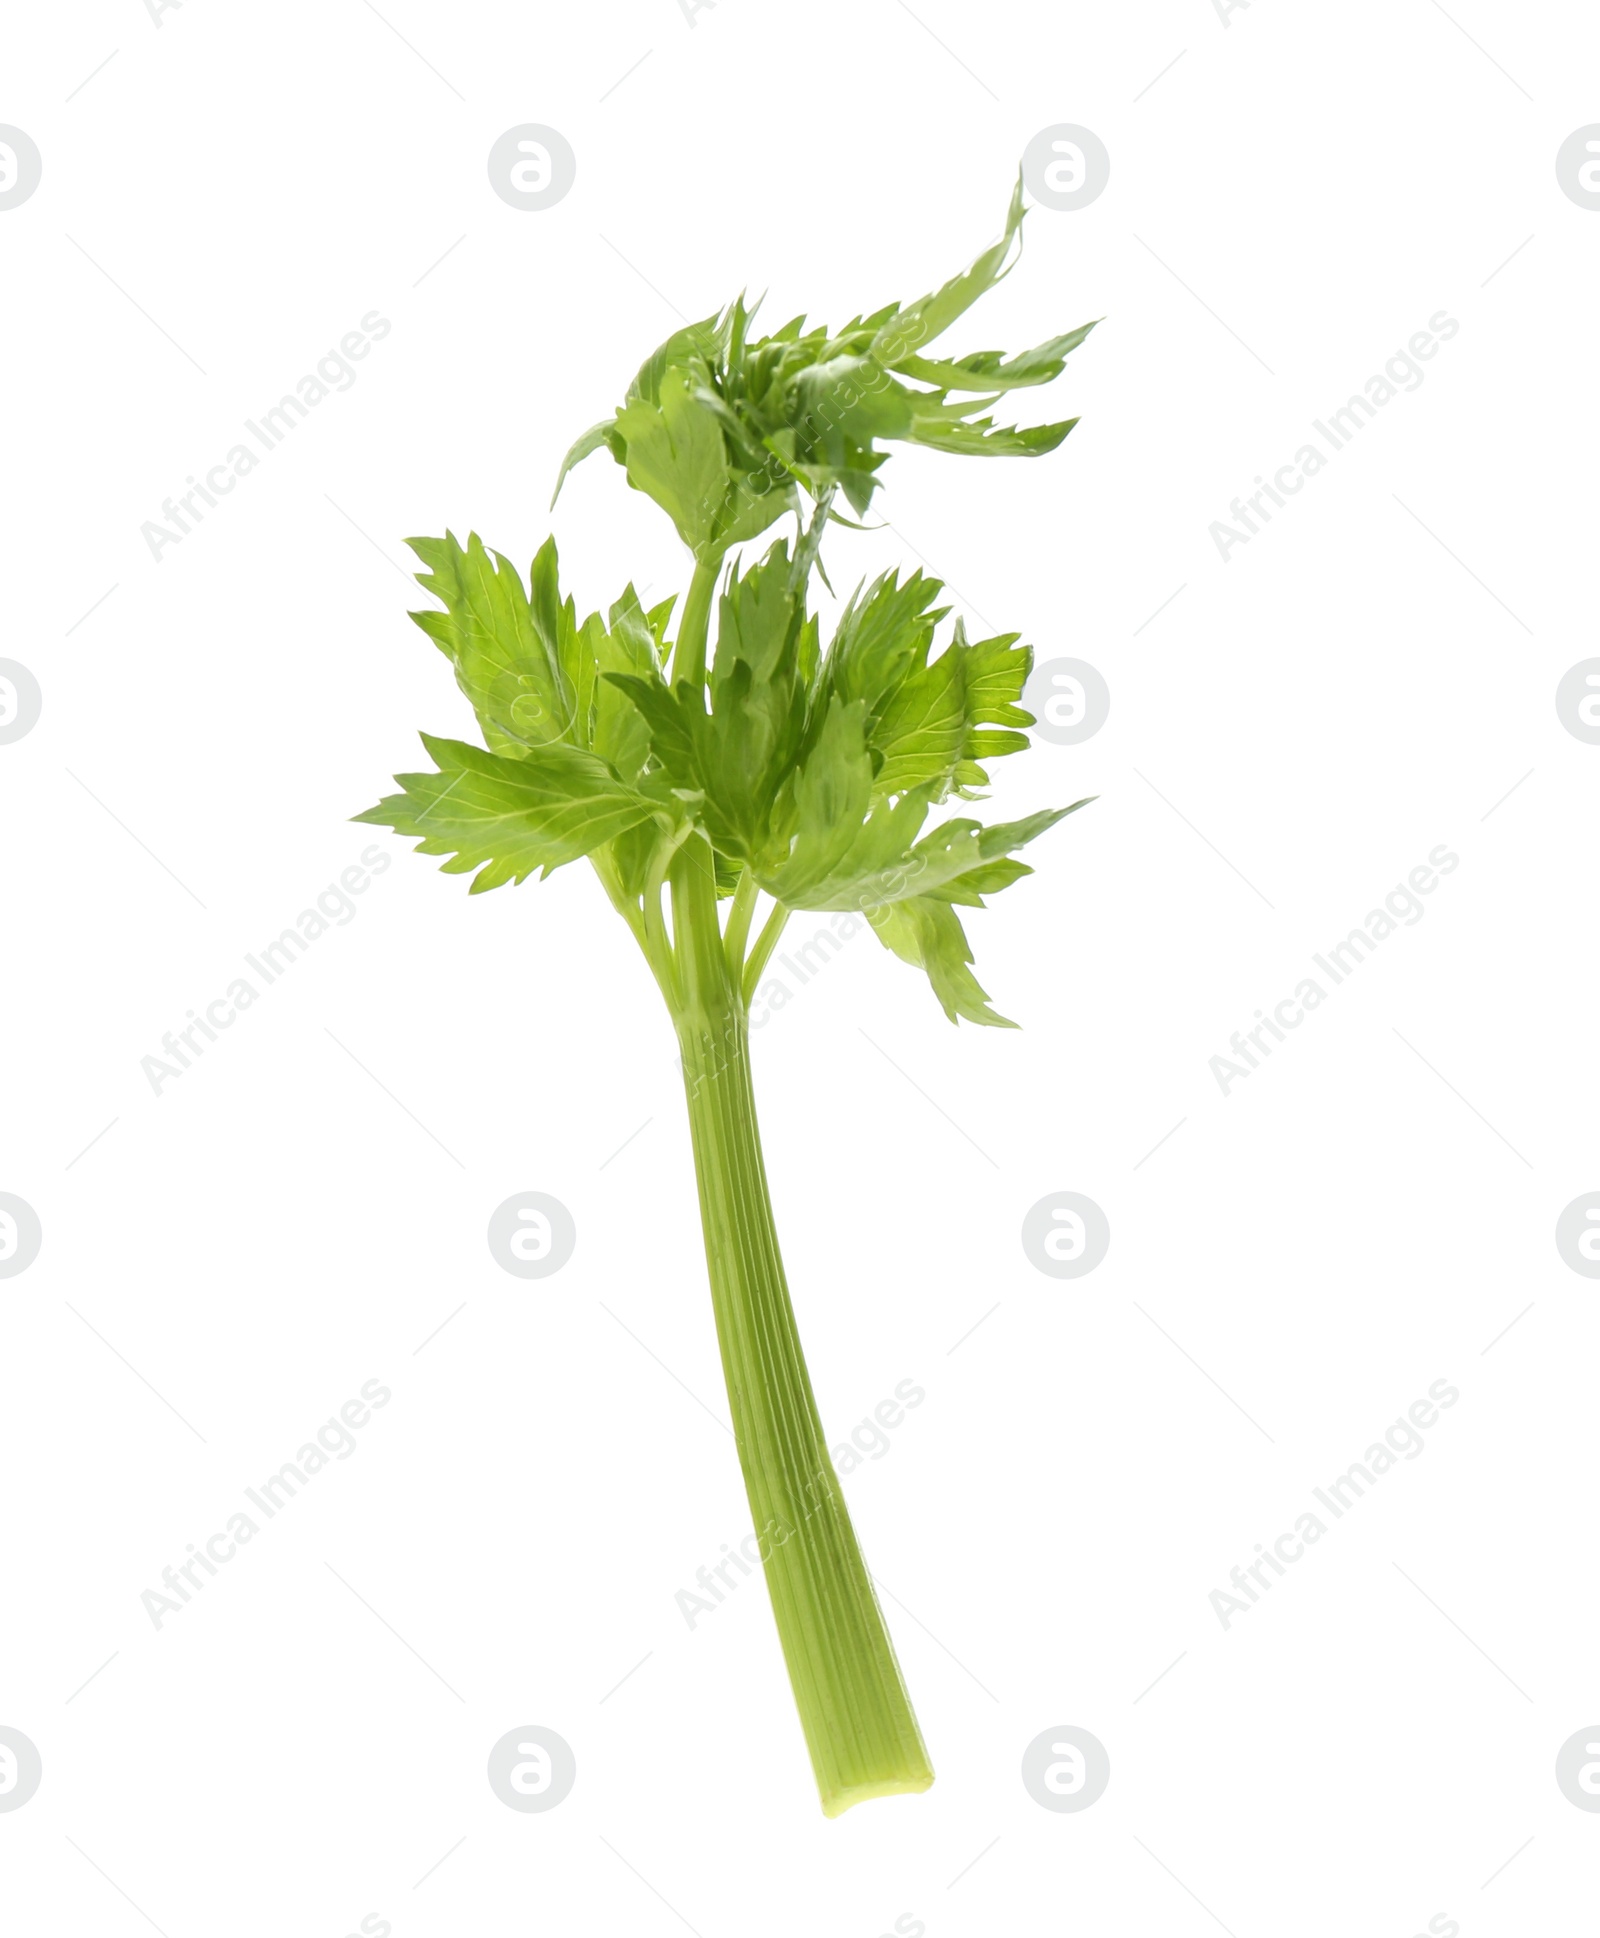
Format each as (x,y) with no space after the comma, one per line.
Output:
(724,430)
(810,770)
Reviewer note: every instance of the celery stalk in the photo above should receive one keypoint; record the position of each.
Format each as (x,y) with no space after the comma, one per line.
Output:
(858,1723)
(784,767)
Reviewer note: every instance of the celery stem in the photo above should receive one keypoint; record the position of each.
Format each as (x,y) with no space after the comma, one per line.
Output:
(761,954)
(737,933)
(857,1718)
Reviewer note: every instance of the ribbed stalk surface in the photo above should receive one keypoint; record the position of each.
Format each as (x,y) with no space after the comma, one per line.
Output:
(858,1723)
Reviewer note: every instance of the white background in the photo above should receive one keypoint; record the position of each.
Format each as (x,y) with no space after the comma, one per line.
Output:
(305,1207)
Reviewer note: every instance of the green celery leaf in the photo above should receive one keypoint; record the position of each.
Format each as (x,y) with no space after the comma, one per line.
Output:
(620,733)
(930,316)
(704,342)
(985,440)
(850,863)
(747,747)
(847,402)
(881,637)
(675,454)
(930,721)
(508,655)
(958,847)
(508,817)
(659,617)
(922,731)
(928,934)
(597,436)
(667,713)
(840,838)
(993,370)
(995,672)
(970,889)
(756,616)
(751,738)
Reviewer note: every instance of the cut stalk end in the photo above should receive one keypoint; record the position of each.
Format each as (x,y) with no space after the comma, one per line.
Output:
(836,1802)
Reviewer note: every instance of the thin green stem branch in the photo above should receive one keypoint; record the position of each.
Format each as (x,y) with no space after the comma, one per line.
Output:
(810,543)
(657,942)
(761,954)
(626,907)
(689,650)
(737,932)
